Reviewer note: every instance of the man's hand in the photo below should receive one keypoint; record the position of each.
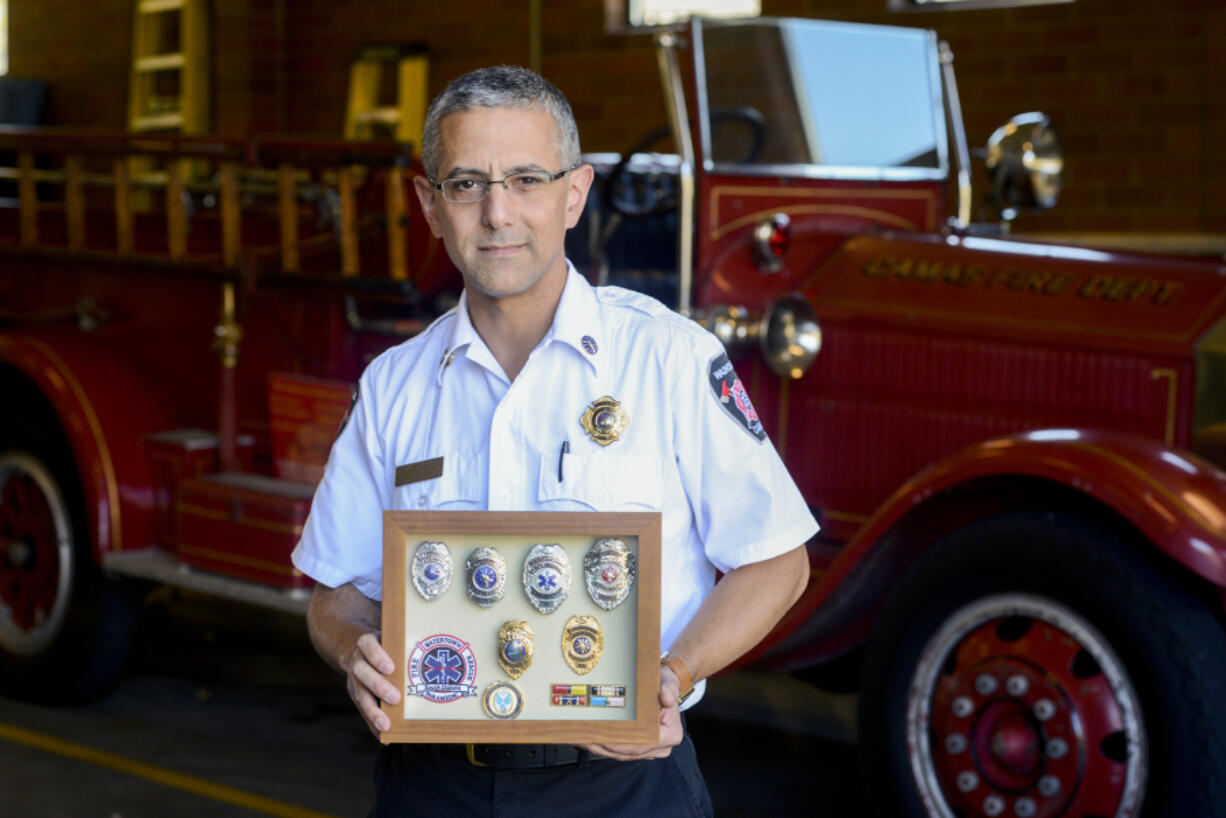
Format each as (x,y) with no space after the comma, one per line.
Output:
(344,627)
(366,668)
(671,731)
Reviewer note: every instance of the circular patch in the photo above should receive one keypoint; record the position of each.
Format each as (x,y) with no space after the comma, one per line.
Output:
(442,669)
(502,700)
(589,344)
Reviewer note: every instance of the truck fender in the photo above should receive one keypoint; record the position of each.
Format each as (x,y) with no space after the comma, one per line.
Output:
(1174,499)
(105,409)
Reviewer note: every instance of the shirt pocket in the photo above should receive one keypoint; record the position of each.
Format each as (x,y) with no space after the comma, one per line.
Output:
(458,488)
(601,482)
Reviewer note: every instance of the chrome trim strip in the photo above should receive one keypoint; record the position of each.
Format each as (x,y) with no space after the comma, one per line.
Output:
(960,149)
(938,102)
(829,172)
(670,74)
(700,89)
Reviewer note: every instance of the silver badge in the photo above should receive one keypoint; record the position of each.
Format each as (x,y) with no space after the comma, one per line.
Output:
(487,576)
(432,569)
(608,571)
(547,577)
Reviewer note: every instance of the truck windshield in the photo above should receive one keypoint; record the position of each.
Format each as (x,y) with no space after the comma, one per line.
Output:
(850,99)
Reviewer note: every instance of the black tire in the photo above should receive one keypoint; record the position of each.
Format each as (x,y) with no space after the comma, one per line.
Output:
(1141,679)
(66,630)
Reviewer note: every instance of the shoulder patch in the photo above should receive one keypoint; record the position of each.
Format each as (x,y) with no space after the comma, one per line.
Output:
(731,394)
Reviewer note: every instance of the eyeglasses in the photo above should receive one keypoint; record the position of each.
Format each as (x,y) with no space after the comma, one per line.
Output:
(468,189)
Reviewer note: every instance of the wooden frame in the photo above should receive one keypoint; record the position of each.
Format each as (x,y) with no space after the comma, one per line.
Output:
(409,618)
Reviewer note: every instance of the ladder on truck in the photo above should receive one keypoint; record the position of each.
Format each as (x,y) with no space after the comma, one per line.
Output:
(168,87)
(369,113)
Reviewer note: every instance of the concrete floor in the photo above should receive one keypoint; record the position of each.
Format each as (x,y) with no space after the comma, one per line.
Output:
(227,711)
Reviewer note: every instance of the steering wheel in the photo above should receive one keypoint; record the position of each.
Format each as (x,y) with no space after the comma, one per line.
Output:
(660,200)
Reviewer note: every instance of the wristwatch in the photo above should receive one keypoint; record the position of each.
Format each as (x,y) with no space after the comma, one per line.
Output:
(678,666)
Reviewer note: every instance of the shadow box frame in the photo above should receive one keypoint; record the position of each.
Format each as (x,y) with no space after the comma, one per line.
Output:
(403,531)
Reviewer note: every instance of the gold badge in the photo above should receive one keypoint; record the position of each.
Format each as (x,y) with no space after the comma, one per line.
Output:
(582,643)
(515,647)
(605,420)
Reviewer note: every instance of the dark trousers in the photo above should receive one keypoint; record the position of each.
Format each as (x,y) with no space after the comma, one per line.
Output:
(430,780)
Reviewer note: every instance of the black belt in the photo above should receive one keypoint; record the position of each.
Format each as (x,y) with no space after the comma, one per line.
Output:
(516,756)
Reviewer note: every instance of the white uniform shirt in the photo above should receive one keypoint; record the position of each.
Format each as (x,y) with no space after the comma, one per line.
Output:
(724,495)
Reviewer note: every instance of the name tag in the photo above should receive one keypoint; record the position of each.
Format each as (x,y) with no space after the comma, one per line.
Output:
(419,471)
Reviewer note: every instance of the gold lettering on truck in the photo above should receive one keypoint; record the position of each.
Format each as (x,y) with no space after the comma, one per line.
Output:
(1099,286)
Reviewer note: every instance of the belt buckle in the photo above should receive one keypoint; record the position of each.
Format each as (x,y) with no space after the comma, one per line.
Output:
(471,751)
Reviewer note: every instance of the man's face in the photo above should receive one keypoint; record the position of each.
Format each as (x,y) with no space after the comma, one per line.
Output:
(505,244)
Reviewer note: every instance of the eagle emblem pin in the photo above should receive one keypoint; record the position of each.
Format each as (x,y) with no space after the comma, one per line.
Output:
(502,700)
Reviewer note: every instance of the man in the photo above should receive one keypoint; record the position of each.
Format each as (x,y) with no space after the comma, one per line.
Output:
(497,387)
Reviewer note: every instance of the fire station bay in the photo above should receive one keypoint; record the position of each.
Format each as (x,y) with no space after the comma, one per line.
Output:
(636,407)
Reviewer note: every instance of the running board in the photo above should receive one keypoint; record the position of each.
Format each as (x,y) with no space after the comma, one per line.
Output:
(160,566)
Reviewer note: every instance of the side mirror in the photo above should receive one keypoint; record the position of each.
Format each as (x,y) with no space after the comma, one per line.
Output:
(1024,160)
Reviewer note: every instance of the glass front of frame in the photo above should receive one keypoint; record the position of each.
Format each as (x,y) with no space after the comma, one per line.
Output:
(487,647)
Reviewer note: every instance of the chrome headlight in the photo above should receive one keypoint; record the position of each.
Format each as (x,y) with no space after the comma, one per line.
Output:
(788,334)
(791,337)
(1024,159)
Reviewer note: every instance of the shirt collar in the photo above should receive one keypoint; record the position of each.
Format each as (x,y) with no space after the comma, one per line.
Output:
(463,335)
(576,324)
(577,321)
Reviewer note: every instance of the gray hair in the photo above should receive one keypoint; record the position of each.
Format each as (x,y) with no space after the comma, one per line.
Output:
(501,86)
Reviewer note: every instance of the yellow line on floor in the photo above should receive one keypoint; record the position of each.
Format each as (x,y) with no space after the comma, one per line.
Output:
(158,775)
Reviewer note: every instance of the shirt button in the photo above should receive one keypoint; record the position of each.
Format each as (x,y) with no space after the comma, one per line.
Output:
(506,496)
(422,501)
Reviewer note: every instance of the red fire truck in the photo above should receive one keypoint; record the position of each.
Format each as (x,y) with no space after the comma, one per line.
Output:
(1012,445)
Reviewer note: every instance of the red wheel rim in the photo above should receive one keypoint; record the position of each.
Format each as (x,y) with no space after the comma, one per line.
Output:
(35,555)
(1020,707)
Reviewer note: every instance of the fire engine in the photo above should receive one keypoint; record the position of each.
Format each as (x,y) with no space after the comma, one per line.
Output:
(1013,446)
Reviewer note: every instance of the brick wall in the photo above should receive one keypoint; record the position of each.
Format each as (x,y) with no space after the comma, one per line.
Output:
(1134,86)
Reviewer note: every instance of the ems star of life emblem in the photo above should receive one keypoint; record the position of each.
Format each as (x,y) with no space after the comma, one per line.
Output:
(442,669)
(546,577)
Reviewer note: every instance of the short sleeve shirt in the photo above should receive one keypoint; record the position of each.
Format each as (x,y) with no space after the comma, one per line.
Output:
(693,450)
